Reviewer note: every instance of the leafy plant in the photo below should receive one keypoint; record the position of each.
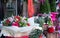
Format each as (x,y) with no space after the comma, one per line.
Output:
(35,33)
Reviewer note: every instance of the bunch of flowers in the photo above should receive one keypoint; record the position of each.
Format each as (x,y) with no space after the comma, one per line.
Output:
(16,21)
(51,27)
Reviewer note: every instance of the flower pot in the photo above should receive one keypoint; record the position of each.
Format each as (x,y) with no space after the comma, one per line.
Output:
(45,26)
(52,35)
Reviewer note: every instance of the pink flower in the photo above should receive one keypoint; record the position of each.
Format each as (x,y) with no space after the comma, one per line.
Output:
(15,24)
(53,16)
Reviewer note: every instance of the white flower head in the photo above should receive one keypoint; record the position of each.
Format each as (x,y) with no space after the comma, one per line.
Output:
(24,21)
(5,19)
(10,19)
(40,28)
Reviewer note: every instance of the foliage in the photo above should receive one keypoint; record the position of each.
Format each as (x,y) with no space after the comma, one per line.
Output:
(40,21)
(48,6)
(35,33)
(45,8)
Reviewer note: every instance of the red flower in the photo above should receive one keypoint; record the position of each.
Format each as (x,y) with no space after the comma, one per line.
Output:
(50,30)
(17,17)
(28,24)
(7,21)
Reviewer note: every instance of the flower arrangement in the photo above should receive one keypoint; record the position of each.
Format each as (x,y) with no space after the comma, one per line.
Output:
(16,21)
(51,27)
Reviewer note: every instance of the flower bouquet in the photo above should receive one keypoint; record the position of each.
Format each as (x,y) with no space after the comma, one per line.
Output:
(16,21)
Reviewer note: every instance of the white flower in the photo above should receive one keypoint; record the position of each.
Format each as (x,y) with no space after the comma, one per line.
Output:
(40,28)
(5,19)
(24,21)
(10,19)
(24,18)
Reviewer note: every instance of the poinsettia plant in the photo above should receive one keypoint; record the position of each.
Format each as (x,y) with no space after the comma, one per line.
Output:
(16,21)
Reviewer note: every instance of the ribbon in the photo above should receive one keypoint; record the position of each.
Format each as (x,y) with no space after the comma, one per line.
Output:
(30,8)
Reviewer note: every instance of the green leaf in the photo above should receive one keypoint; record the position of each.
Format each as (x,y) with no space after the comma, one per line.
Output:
(53,5)
(35,33)
(49,22)
(45,8)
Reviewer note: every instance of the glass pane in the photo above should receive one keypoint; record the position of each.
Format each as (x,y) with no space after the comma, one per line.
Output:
(10,8)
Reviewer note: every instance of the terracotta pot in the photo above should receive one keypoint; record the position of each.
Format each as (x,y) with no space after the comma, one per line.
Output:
(45,26)
(52,35)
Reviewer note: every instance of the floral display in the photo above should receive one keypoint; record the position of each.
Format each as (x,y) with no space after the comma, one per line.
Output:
(53,16)
(51,27)
(28,25)
(16,21)
(6,22)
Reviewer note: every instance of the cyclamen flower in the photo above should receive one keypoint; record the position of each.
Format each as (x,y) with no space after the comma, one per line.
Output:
(53,16)
(15,24)
(10,19)
(7,21)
